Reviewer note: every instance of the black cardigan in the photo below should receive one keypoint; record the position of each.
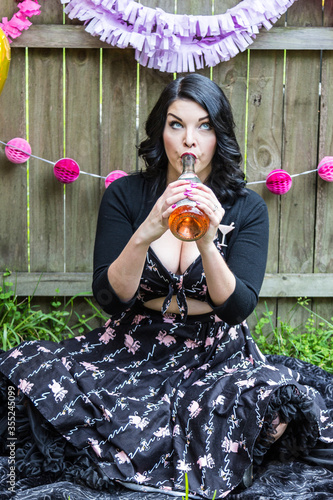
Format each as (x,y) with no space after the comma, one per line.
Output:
(125,205)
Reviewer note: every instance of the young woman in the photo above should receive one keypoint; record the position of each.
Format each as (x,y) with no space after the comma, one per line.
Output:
(173,383)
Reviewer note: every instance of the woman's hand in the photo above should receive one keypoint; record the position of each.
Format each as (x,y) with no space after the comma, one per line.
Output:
(156,223)
(206,200)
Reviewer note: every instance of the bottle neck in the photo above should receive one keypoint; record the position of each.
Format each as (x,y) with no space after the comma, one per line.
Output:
(188,164)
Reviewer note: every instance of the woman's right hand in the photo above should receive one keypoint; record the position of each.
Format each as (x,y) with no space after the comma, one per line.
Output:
(156,224)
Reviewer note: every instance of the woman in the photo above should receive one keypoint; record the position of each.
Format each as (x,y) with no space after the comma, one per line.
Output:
(173,384)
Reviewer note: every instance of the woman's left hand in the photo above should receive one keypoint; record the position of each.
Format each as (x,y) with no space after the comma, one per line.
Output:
(206,200)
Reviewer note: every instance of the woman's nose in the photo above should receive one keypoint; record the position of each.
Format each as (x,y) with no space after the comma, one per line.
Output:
(189,139)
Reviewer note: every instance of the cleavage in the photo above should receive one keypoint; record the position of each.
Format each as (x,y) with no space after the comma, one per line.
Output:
(175,255)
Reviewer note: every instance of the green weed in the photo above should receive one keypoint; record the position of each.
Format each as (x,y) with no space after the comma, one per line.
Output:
(21,320)
(311,341)
(187,489)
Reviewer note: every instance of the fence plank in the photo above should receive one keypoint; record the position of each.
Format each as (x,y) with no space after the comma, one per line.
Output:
(82,144)
(232,78)
(69,284)
(324,227)
(50,12)
(277,38)
(8,8)
(264,141)
(151,81)
(118,126)
(46,139)
(46,136)
(13,185)
(305,13)
(328,13)
(264,137)
(301,128)
(300,153)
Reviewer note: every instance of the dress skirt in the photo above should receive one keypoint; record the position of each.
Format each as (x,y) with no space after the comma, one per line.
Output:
(146,399)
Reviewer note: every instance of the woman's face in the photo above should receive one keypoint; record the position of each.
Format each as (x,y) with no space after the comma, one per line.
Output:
(188,129)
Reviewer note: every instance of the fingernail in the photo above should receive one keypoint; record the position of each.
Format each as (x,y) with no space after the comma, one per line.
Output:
(198,203)
(194,185)
(173,206)
(188,191)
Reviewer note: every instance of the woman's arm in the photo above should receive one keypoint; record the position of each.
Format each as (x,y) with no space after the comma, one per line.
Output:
(246,259)
(120,247)
(234,283)
(221,282)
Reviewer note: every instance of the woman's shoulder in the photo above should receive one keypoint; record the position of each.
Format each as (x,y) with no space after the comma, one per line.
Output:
(253,198)
(131,194)
(133,180)
(248,199)
(246,207)
(128,188)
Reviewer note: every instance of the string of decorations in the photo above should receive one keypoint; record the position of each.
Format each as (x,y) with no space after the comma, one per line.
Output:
(66,170)
(173,42)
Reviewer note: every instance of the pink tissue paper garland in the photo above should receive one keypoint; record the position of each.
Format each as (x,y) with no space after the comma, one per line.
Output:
(19,22)
(172,42)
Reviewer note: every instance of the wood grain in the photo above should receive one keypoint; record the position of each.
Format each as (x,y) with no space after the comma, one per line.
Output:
(68,284)
(277,38)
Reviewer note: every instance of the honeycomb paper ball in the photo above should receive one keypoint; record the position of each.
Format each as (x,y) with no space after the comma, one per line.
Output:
(325,168)
(113,176)
(66,170)
(19,155)
(278,181)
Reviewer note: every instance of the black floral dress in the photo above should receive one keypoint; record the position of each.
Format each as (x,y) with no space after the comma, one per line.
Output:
(153,396)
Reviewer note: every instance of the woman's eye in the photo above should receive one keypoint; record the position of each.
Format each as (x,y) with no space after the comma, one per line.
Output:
(175,125)
(206,126)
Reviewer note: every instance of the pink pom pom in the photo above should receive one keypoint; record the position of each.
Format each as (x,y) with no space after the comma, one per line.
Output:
(325,168)
(19,155)
(66,170)
(113,176)
(278,181)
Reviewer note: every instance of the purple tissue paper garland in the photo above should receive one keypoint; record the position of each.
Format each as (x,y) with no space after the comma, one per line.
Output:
(174,42)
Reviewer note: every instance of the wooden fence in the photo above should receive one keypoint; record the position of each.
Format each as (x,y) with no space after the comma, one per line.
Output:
(71,95)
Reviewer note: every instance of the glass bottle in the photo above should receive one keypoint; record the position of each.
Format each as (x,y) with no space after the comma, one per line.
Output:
(187,221)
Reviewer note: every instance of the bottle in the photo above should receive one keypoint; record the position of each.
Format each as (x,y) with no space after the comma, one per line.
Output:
(188,222)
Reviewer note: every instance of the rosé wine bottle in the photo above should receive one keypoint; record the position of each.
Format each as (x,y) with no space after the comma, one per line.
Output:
(188,222)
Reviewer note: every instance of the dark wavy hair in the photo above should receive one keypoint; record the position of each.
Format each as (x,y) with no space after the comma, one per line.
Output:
(226,177)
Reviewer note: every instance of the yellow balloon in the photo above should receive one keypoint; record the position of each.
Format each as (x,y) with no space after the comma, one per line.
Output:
(4,58)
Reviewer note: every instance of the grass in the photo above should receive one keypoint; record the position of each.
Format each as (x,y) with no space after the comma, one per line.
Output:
(21,320)
(187,489)
(310,341)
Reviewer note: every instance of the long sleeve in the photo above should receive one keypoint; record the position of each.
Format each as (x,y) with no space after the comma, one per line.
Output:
(123,208)
(246,256)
